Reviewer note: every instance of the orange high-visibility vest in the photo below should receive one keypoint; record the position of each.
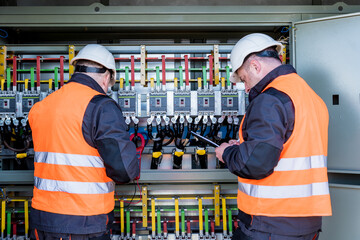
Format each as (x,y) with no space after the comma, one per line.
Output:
(298,187)
(69,174)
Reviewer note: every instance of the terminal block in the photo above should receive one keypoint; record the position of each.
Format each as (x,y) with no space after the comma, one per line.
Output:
(8,103)
(230,103)
(206,101)
(28,99)
(157,102)
(182,102)
(127,102)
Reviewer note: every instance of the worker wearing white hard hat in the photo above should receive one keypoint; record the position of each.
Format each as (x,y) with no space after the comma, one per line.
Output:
(279,184)
(82,147)
(97,54)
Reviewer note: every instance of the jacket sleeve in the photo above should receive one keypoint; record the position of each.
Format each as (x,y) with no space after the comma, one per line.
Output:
(104,128)
(265,130)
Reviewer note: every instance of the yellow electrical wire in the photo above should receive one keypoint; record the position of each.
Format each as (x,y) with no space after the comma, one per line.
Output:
(121,83)
(152,83)
(122,222)
(26,210)
(175,83)
(223,82)
(3,208)
(177,228)
(26,84)
(50,84)
(153,226)
(2,84)
(224,214)
(201,225)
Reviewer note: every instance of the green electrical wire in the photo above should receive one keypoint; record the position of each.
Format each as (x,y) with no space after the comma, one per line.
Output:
(227,75)
(181,76)
(32,77)
(206,220)
(230,220)
(126,76)
(128,221)
(55,77)
(183,221)
(159,221)
(8,78)
(157,76)
(8,228)
(204,76)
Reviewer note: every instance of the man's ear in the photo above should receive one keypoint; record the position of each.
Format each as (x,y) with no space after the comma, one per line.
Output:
(255,65)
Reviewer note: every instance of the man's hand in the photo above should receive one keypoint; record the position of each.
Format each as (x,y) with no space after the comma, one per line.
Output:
(220,150)
(234,142)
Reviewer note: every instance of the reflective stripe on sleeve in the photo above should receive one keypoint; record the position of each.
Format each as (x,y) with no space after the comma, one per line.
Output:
(301,163)
(296,191)
(69,159)
(74,187)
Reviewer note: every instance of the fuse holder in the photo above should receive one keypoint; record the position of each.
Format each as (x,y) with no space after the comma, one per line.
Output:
(21,155)
(201,152)
(156,154)
(178,154)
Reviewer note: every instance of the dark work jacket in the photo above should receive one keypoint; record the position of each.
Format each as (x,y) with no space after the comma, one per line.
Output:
(268,124)
(103,128)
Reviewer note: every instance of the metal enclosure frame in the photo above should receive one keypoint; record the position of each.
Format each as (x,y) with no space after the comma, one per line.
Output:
(344,182)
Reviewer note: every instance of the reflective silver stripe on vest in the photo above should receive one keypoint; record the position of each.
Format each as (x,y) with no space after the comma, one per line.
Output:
(74,187)
(69,159)
(296,191)
(301,163)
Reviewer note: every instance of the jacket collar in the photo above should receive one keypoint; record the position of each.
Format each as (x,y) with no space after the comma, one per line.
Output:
(87,81)
(279,71)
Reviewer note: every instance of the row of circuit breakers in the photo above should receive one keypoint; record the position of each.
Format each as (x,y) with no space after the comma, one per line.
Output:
(157,103)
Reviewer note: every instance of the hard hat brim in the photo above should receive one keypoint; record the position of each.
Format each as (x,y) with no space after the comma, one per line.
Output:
(234,78)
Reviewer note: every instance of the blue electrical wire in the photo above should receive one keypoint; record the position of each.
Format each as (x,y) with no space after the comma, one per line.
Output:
(6,34)
(285,29)
(3,194)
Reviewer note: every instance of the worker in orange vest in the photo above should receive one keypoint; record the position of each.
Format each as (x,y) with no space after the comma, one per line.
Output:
(281,156)
(81,149)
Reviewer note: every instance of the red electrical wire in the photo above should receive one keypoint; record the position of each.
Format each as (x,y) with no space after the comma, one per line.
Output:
(132,71)
(163,70)
(188,226)
(165,227)
(34,59)
(186,70)
(236,224)
(38,71)
(211,58)
(197,58)
(61,71)
(212,226)
(14,228)
(173,58)
(14,71)
(133,227)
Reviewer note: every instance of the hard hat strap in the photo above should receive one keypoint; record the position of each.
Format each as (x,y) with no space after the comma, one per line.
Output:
(268,53)
(82,68)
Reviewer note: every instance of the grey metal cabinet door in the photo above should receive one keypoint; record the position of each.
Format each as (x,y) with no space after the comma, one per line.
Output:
(327,56)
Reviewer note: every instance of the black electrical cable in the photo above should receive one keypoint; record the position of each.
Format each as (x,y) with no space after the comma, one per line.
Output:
(129,203)
(18,150)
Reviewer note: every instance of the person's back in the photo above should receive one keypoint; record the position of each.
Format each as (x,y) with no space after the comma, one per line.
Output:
(81,147)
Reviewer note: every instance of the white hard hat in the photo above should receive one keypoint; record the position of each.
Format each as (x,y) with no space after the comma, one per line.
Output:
(99,54)
(251,43)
